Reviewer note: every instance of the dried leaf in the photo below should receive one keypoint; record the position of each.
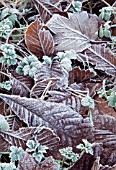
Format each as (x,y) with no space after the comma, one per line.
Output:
(53,71)
(64,121)
(32,40)
(47,9)
(74,32)
(77,75)
(44,136)
(39,42)
(40,86)
(49,164)
(46,41)
(21,84)
(27,162)
(102,58)
(4,145)
(65,97)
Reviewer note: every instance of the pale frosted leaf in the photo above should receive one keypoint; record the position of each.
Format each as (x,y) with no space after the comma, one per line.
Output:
(42,135)
(103,58)
(74,32)
(65,97)
(54,71)
(64,121)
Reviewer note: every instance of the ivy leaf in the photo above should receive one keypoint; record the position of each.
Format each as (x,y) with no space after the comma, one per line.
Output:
(112,99)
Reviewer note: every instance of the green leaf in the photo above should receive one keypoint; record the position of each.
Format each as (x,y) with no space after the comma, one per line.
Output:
(88,101)
(112,99)
(4,126)
(16,153)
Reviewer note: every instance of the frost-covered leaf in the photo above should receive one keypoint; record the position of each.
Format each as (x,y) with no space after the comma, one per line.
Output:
(103,58)
(74,32)
(40,86)
(78,75)
(65,97)
(21,84)
(47,9)
(19,138)
(64,121)
(53,71)
(39,42)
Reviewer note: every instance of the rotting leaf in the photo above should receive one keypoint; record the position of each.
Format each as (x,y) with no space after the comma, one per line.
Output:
(103,58)
(47,9)
(74,32)
(39,42)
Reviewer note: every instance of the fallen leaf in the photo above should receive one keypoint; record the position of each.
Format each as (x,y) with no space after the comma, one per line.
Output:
(74,32)
(47,9)
(39,42)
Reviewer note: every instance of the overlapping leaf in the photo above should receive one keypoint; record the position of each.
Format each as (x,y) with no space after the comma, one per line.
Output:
(40,42)
(41,86)
(65,97)
(74,32)
(21,84)
(28,163)
(47,9)
(44,136)
(77,75)
(53,71)
(64,121)
(103,58)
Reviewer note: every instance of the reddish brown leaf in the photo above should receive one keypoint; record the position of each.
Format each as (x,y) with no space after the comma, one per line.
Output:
(40,42)
(77,75)
(31,38)
(46,41)
(47,9)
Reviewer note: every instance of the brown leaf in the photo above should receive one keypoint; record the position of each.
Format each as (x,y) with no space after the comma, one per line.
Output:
(47,9)
(39,42)
(21,84)
(64,121)
(74,32)
(4,145)
(78,75)
(65,97)
(41,86)
(27,162)
(54,71)
(32,40)
(47,42)
(49,164)
(15,123)
(103,58)
(42,135)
